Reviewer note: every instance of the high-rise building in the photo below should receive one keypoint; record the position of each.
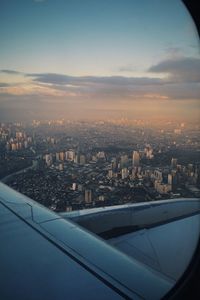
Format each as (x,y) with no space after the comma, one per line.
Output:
(101,155)
(70,155)
(76,159)
(101,198)
(158,175)
(190,168)
(82,159)
(161,187)
(60,167)
(88,196)
(148,151)
(173,180)
(74,186)
(136,158)
(169,179)
(124,173)
(19,135)
(174,163)
(114,163)
(48,159)
(62,156)
(57,156)
(124,161)
(13,147)
(110,173)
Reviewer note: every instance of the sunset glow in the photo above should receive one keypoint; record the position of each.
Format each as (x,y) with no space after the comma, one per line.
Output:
(98,59)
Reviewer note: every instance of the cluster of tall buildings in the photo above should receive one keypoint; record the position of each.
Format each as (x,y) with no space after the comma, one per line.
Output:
(19,142)
(69,155)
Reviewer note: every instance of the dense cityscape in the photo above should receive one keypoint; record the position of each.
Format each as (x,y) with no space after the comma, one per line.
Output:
(70,165)
(99,150)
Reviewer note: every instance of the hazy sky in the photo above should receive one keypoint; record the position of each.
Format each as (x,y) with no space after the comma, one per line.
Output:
(95,59)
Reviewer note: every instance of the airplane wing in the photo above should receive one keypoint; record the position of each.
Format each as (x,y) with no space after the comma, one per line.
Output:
(44,256)
(162,235)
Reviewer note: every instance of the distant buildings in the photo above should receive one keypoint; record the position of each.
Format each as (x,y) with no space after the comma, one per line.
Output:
(162,188)
(124,173)
(174,163)
(70,155)
(82,159)
(124,161)
(110,173)
(48,159)
(79,166)
(136,158)
(88,196)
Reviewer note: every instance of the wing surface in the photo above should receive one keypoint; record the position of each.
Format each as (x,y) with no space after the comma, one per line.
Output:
(43,256)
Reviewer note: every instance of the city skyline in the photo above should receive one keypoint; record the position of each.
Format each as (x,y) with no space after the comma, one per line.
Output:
(74,165)
(98,60)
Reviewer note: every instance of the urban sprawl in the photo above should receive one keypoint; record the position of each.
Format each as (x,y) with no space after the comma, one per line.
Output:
(71,165)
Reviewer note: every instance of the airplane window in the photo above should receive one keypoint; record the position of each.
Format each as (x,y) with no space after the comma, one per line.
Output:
(99,121)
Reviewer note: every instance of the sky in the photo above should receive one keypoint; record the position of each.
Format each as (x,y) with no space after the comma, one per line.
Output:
(98,59)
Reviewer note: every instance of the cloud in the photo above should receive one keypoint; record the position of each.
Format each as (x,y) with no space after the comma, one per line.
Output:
(34,89)
(181,82)
(11,72)
(60,79)
(115,88)
(96,87)
(182,69)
